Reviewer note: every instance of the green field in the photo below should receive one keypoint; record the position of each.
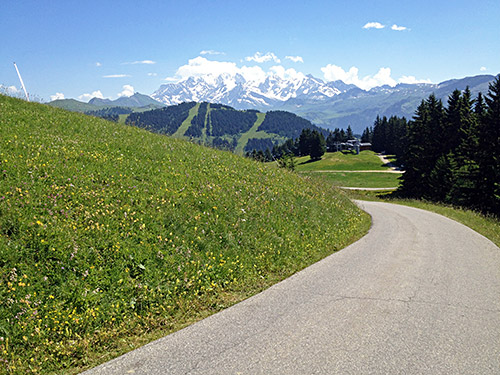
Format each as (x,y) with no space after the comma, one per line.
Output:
(358,179)
(339,169)
(338,161)
(111,236)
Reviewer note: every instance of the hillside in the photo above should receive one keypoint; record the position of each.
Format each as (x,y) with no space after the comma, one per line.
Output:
(108,232)
(135,101)
(222,126)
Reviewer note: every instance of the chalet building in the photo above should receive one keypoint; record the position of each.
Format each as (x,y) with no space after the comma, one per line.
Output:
(352,145)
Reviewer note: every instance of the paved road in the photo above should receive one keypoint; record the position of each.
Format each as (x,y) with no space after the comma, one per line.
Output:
(420,294)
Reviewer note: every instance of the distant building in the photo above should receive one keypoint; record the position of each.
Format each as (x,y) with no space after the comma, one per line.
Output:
(352,145)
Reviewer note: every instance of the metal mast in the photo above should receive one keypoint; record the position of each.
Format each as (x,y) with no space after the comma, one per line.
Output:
(22,83)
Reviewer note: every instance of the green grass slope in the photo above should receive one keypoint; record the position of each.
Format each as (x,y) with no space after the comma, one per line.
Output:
(338,161)
(110,234)
(359,180)
(339,169)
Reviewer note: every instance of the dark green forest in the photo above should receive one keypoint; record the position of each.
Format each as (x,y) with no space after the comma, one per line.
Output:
(287,124)
(198,122)
(230,121)
(452,152)
(164,120)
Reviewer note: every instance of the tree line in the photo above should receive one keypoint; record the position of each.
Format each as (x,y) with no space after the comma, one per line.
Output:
(164,120)
(452,153)
(387,135)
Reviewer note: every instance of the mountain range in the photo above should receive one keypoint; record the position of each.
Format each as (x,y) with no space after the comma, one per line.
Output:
(134,102)
(327,104)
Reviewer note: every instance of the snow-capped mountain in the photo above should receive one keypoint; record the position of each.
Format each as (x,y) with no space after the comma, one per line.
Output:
(236,91)
(326,104)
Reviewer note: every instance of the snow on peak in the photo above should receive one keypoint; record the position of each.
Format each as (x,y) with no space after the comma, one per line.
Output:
(246,88)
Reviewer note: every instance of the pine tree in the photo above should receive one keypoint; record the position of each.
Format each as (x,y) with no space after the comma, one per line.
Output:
(425,148)
(305,142)
(464,167)
(317,145)
(489,156)
(330,143)
(349,134)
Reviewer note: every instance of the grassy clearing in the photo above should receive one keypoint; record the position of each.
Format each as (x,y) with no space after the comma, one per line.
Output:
(332,166)
(252,133)
(338,161)
(111,236)
(358,179)
(187,122)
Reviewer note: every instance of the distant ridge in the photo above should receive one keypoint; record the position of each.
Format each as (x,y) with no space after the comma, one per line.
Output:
(327,104)
(222,126)
(135,101)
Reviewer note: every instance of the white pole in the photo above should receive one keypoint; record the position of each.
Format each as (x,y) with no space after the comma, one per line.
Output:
(22,83)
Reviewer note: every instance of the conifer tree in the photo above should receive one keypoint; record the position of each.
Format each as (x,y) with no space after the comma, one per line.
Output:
(489,156)
(424,149)
(318,145)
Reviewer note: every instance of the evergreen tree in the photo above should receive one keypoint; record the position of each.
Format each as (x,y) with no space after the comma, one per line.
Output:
(424,149)
(367,136)
(463,154)
(317,145)
(349,133)
(342,136)
(330,142)
(379,131)
(489,156)
(305,142)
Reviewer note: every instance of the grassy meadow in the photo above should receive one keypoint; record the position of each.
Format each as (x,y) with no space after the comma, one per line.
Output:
(111,236)
(338,161)
(349,170)
(358,179)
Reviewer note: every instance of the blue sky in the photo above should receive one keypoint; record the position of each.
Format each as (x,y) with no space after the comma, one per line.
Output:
(111,48)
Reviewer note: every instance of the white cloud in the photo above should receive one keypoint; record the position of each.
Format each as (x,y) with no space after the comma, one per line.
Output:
(200,66)
(116,76)
(382,77)
(373,25)
(295,58)
(413,80)
(211,52)
(283,73)
(147,62)
(483,69)
(127,91)
(11,90)
(152,74)
(209,70)
(398,28)
(98,63)
(253,73)
(260,58)
(334,73)
(95,94)
(57,96)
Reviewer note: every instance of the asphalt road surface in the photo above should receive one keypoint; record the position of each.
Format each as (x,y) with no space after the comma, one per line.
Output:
(419,294)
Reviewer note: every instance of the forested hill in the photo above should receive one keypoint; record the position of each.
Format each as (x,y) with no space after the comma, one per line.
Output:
(222,126)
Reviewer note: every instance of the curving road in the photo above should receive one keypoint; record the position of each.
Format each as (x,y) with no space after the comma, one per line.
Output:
(419,294)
